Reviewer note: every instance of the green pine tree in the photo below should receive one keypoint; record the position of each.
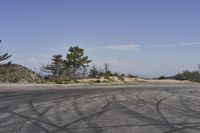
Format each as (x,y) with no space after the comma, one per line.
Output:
(5,56)
(77,60)
(56,67)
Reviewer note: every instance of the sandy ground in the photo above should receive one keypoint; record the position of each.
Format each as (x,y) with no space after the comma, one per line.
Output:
(114,79)
(90,83)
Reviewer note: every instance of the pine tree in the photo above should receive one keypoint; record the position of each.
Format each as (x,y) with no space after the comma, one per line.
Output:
(74,63)
(56,66)
(94,72)
(5,56)
(76,59)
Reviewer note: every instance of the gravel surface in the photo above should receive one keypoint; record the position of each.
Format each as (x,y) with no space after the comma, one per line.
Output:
(100,109)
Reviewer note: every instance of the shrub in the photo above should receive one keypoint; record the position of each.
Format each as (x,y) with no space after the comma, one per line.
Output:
(98,81)
(105,75)
(132,76)
(58,82)
(121,78)
(123,75)
(189,75)
(162,77)
(116,74)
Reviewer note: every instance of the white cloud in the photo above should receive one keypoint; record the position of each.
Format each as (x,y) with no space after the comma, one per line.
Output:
(129,47)
(190,44)
(162,45)
(173,45)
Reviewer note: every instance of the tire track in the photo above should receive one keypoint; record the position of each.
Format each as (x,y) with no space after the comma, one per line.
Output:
(152,107)
(159,124)
(160,113)
(181,129)
(90,117)
(35,121)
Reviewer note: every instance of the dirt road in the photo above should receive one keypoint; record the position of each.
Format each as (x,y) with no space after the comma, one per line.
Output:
(131,109)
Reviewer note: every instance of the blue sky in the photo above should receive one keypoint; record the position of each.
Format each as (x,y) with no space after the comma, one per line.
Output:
(144,37)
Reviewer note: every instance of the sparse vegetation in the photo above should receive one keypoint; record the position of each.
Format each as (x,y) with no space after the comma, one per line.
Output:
(14,73)
(70,68)
(98,81)
(77,61)
(5,56)
(93,72)
(121,78)
(56,68)
(162,77)
(189,75)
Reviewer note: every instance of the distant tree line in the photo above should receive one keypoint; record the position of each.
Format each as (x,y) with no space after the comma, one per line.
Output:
(193,76)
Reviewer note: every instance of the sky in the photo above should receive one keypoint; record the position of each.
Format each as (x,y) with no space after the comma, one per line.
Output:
(148,38)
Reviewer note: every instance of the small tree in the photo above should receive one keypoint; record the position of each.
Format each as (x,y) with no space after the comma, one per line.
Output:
(93,72)
(55,67)
(67,69)
(106,67)
(76,59)
(162,77)
(5,56)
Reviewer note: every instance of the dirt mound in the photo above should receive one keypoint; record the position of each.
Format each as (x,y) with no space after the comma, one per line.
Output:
(14,73)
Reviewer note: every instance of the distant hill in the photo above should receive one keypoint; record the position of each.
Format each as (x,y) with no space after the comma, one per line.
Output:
(14,73)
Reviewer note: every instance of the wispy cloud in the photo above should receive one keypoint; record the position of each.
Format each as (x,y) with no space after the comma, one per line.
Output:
(190,44)
(136,47)
(129,47)
(173,45)
(161,45)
